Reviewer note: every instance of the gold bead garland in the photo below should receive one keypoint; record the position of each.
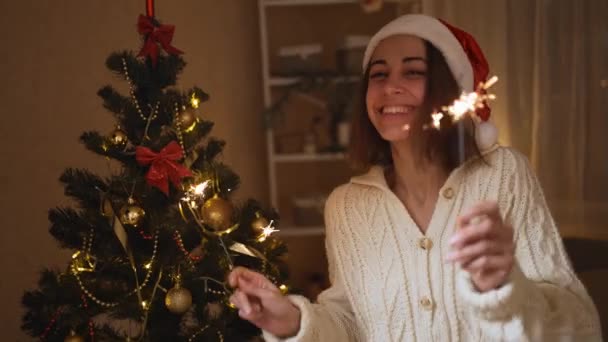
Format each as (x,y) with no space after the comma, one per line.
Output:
(75,272)
(178,124)
(153,112)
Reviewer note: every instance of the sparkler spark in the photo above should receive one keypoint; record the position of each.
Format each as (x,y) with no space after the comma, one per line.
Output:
(467,103)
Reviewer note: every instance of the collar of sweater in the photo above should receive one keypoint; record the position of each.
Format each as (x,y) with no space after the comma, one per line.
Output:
(375,176)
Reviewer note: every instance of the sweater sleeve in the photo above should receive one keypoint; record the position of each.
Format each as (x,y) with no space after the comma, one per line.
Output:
(332,318)
(543,299)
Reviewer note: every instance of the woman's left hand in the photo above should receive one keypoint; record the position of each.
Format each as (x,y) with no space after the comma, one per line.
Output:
(483,246)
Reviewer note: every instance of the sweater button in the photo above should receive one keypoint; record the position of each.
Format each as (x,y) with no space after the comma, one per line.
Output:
(448,193)
(426,303)
(425,243)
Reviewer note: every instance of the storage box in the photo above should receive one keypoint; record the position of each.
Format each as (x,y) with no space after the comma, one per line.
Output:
(349,55)
(299,59)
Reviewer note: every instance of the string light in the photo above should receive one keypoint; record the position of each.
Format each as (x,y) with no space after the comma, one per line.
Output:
(194,101)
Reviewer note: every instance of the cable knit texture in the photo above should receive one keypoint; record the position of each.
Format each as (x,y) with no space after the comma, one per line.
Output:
(387,287)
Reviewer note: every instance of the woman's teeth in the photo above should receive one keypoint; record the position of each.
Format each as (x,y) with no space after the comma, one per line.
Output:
(396,109)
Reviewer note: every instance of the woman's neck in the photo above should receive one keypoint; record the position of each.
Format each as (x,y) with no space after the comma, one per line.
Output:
(415,176)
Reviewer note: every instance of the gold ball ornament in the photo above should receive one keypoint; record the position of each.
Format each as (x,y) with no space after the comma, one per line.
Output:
(178,300)
(217,213)
(259,223)
(118,138)
(132,214)
(187,119)
(73,337)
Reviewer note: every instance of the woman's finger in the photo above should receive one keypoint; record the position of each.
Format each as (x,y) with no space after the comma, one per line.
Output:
(249,275)
(234,275)
(253,289)
(489,262)
(487,208)
(468,253)
(472,233)
(242,299)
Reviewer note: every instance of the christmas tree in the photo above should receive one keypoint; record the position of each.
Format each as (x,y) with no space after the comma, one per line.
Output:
(154,241)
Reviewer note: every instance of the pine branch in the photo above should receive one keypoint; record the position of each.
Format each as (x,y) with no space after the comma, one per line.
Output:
(115,102)
(200,131)
(83,186)
(68,227)
(99,144)
(228,180)
(207,153)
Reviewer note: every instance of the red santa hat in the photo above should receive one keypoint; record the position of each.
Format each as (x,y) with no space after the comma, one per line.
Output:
(461,52)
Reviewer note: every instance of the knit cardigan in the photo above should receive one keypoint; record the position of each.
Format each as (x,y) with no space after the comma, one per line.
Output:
(390,281)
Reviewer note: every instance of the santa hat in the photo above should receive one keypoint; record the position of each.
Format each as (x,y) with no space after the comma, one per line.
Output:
(461,52)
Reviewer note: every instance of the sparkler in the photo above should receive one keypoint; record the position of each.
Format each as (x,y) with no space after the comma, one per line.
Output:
(467,103)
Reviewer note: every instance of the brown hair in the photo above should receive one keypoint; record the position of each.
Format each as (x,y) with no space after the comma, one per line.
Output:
(368,148)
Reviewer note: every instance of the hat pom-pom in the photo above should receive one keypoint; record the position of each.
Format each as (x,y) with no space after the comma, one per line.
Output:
(486,135)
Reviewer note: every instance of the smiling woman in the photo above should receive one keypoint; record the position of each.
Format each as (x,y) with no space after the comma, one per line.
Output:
(425,245)
(426,84)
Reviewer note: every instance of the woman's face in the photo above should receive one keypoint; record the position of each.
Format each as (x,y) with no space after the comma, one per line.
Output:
(396,85)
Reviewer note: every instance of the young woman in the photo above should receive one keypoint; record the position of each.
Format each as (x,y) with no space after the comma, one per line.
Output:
(439,240)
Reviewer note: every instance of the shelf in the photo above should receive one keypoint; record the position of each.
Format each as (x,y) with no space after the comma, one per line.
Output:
(313,2)
(275,81)
(307,157)
(295,231)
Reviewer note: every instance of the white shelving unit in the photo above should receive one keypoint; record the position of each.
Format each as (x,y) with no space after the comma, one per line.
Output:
(273,83)
(293,174)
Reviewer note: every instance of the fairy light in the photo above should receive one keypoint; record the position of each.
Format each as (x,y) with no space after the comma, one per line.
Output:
(194,101)
(144,304)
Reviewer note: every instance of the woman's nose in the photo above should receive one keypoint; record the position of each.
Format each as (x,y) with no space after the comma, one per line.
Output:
(393,87)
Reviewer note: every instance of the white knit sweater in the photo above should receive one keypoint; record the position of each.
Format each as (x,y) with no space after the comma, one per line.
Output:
(390,283)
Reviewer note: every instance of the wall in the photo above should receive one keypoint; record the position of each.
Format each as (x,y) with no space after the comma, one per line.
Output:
(52,63)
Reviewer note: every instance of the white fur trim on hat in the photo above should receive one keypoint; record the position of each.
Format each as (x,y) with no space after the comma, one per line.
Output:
(432,30)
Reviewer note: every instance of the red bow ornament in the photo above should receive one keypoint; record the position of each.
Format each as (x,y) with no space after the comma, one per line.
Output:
(154,35)
(164,166)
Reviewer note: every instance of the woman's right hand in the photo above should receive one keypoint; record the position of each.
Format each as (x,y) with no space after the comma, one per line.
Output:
(260,302)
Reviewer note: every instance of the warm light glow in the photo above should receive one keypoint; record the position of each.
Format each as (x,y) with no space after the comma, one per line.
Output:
(283,288)
(199,189)
(144,305)
(437,119)
(194,101)
(148,265)
(467,103)
(490,82)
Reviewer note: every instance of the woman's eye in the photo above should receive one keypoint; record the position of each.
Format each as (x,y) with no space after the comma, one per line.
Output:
(377,75)
(415,73)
